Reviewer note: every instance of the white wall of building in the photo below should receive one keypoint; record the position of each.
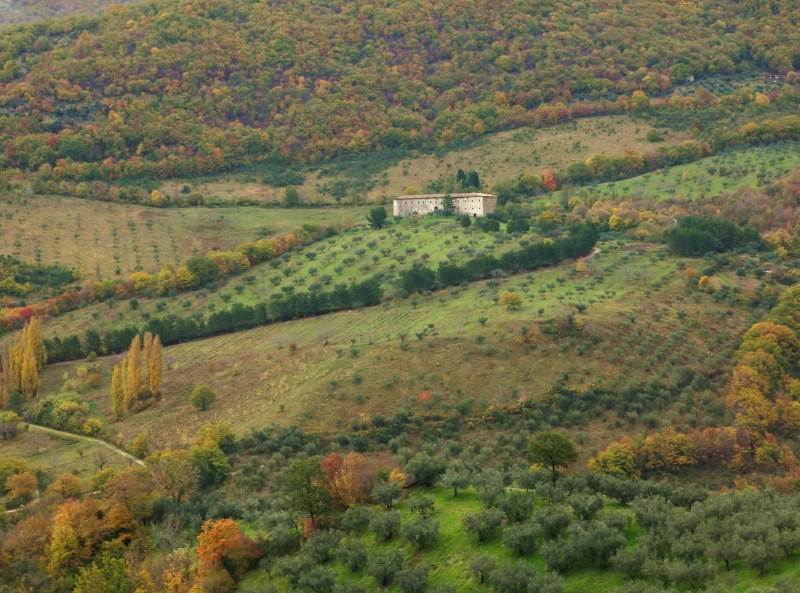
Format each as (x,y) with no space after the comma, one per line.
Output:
(470,204)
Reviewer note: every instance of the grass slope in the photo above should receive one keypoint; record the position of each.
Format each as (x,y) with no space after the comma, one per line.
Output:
(722,173)
(333,372)
(56,454)
(107,239)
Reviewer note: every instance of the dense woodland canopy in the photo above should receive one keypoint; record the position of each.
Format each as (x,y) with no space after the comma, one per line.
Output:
(23,11)
(170,88)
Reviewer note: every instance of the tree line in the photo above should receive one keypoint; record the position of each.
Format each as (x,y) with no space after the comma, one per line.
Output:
(173,329)
(197,271)
(579,241)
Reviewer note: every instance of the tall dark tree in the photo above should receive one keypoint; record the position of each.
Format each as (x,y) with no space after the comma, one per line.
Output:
(377,217)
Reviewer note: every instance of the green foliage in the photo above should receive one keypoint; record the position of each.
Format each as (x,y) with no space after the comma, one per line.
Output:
(489,484)
(456,476)
(202,397)
(521,538)
(522,578)
(384,565)
(421,532)
(448,206)
(695,236)
(303,484)
(417,278)
(203,268)
(322,545)
(291,198)
(553,450)
(483,525)
(353,554)
(481,566)
(211,462)
(109,576)
(426,469)
(516,505)
(412,579)
(376,217)
(318,580)
(386,525)
(386,492)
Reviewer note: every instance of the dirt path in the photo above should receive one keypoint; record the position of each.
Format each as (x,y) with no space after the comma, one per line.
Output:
(79,437)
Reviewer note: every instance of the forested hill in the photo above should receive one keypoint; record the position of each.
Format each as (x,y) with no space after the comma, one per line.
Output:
(174,87)
(23,11)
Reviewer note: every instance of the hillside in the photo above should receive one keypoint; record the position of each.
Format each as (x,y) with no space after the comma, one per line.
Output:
(225,367)
(175,88)
(14,12)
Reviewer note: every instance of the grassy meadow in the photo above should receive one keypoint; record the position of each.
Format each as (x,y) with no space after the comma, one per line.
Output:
(58,454)
(497,156)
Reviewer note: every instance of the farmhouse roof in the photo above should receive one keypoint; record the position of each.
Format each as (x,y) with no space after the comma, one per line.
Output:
(436,196)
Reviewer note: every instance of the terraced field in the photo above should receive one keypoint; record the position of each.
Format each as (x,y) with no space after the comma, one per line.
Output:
(726,172)
(638,323)
(106,240)
(348,257)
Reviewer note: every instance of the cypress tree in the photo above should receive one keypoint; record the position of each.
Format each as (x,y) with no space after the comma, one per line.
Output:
(461,179)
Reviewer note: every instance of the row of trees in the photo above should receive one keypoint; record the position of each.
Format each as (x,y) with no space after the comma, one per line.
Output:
(196,272)
(761,398)
(173,329)
(18,278)
(579,241)
(136,379)
(20,365)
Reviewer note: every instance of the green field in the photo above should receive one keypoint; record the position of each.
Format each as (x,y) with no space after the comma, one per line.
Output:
(107,240)
(722,173)
(350,256)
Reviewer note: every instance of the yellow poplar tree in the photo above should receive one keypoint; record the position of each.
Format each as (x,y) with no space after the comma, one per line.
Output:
(29,374)
(155,364)
(21,363)
(134,367)
(128,396)
(147,350)
(34,340)
(117,393)
(140,370)
(6,378)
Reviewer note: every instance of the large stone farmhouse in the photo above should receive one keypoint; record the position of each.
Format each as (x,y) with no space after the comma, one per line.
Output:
(473,204)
